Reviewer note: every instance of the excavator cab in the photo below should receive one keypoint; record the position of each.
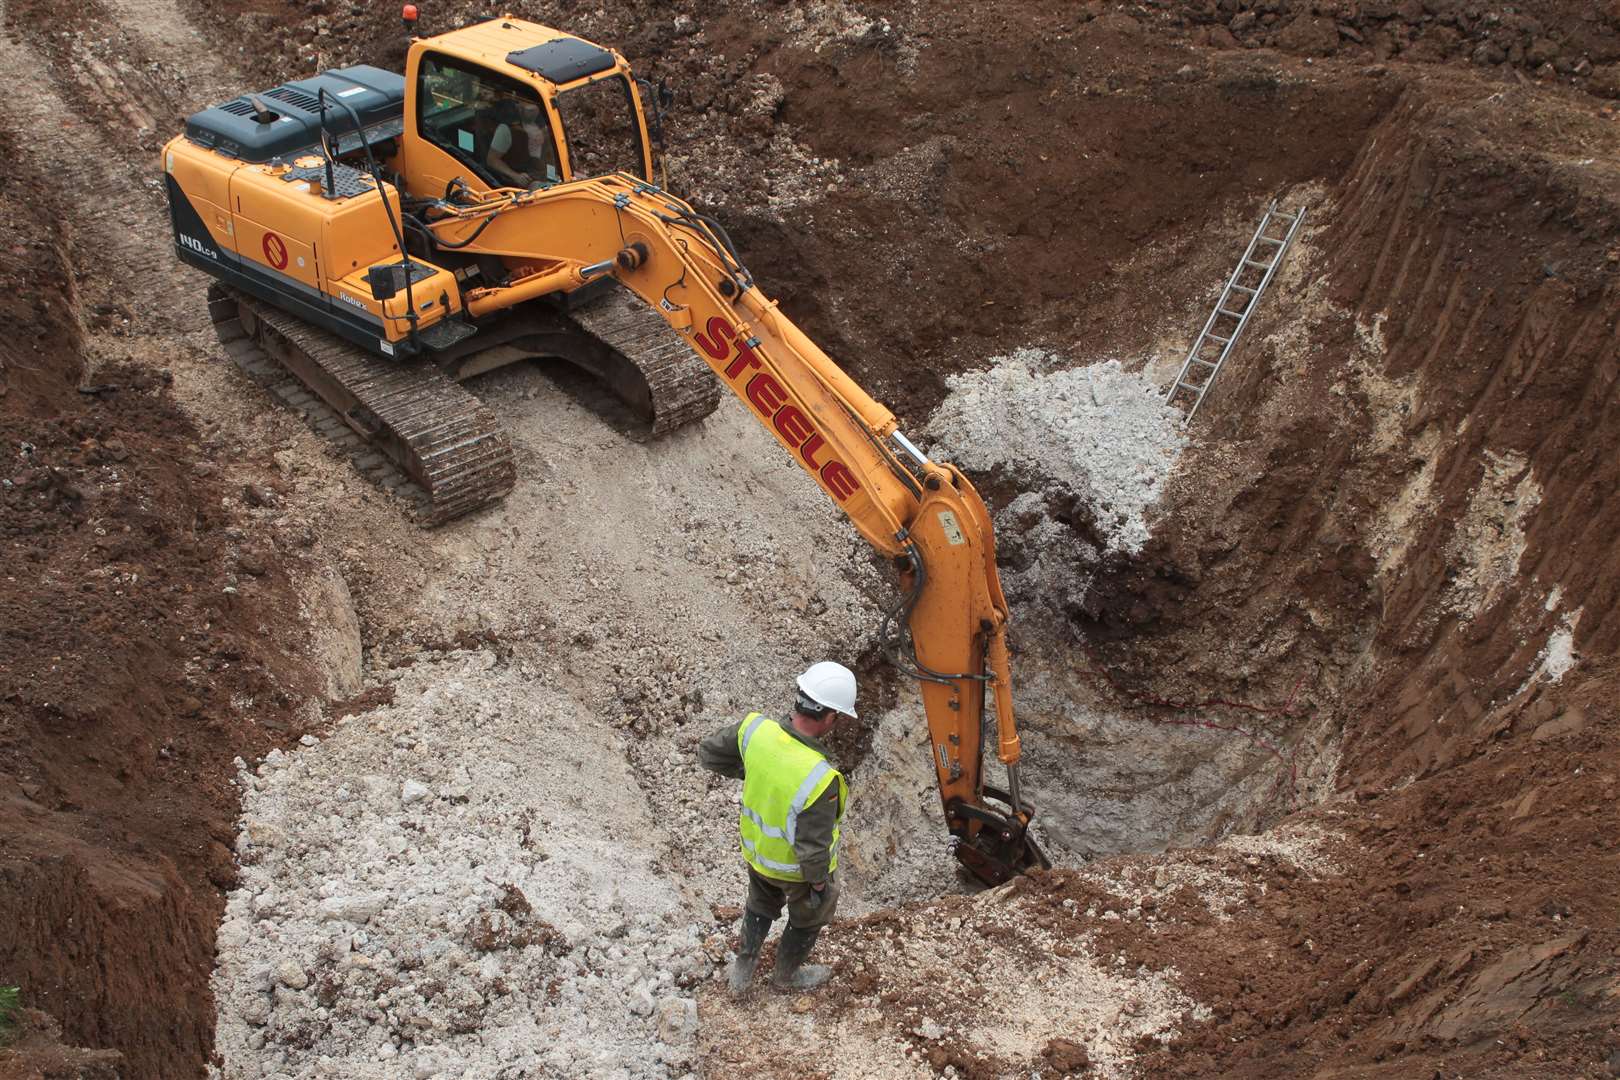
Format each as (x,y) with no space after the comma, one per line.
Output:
(493,125)
(494,110)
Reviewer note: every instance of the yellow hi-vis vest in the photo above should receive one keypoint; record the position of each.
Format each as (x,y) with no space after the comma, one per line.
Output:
(781,778)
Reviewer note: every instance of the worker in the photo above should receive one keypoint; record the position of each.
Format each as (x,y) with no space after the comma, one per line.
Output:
(793,801)
(520,150)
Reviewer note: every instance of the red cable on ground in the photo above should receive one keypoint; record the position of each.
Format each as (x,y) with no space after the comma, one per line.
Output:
(1288,760)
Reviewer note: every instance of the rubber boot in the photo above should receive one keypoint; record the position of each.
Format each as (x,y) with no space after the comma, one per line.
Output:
(754,929)
(792,973)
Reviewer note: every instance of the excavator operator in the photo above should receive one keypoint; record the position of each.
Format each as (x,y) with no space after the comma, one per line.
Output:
(520,146)
(793,802)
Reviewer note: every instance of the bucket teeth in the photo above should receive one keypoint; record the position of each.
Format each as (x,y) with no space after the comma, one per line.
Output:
(453,456)
(994,859)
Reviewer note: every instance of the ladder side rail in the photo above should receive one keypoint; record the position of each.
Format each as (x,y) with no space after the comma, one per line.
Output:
(1198,342)
(1254,301)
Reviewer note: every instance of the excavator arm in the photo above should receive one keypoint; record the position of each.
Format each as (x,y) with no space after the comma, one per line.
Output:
(949,631)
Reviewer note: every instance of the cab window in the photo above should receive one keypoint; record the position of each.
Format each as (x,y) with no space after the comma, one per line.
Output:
(496,126)
(599,121)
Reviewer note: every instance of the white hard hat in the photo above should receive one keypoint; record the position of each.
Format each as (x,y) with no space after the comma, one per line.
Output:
(830,685)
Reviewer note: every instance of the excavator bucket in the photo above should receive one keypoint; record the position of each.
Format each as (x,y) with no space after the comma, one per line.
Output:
(1001,847)
(995,858)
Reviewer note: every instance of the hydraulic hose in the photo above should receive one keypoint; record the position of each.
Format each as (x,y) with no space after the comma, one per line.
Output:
(388,208)
(451,245)
(901,613)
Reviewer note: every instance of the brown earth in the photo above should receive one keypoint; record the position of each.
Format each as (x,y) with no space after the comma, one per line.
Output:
(33,1050)
(133,668)
(1482,245)
(1032,176)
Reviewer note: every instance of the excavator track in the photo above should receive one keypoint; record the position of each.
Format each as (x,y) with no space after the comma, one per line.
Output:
(675,386)
(407,426)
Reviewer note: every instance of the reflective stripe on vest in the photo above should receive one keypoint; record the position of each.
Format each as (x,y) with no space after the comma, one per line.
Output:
(769,819)
(761,863)
(754,720)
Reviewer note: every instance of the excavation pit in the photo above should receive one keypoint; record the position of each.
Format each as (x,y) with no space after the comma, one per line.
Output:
(1382,553)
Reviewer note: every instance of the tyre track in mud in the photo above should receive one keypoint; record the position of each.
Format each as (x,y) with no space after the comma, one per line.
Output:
(166,34)
(117,207)
(136,300)
(145,300)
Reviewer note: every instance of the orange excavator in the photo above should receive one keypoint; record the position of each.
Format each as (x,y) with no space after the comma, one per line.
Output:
(385,238)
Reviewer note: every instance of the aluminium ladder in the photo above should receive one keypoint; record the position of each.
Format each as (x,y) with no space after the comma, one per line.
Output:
(1254,271)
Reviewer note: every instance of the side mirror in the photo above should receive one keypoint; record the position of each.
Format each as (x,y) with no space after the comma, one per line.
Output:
(385,281)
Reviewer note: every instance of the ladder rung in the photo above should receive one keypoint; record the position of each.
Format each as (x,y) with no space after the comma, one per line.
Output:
(1210,368)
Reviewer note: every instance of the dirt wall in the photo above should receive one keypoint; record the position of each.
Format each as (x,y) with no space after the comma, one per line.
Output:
(1495,295)
(136,660)
(1401,497)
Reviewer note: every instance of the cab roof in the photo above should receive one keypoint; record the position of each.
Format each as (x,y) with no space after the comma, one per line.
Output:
(551,54)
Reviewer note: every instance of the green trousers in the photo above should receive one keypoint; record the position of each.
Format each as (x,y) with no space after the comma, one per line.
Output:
(767,896)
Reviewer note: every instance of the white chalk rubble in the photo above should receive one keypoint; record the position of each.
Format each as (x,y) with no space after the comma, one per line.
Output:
(1097,436)
(452,887)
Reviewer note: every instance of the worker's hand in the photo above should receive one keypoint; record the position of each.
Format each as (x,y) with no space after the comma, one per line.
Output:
(816,895)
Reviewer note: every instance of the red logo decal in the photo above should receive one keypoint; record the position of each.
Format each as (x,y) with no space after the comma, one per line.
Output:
(770,401)
(275,251)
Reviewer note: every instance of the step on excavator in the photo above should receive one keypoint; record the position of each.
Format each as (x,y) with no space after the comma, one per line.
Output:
(386,237)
